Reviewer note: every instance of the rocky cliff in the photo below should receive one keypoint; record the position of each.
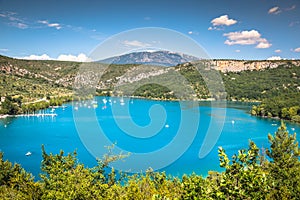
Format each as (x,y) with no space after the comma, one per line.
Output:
(241,65)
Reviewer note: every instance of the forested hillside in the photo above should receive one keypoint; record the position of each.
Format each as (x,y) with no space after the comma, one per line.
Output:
(277,89)
(26,82)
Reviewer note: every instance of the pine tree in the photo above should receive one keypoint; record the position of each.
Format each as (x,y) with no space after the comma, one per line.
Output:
(284,167)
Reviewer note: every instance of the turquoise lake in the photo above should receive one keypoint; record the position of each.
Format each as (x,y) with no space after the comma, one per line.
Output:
(26,134)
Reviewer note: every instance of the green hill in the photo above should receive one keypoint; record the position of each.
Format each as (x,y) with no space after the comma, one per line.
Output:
(276,85)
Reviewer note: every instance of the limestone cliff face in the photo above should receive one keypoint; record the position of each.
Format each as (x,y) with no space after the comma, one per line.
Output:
(241,65)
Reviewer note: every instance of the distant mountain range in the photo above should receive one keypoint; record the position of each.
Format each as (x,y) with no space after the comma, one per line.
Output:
(160,58)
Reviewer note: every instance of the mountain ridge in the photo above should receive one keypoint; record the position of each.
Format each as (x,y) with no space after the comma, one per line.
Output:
(169,59)
(159,58)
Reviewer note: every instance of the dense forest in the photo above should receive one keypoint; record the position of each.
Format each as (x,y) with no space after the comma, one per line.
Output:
(277,89)
(285,106)
(252,173)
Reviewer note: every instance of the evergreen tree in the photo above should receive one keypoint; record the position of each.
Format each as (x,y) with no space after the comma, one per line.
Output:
(284,167)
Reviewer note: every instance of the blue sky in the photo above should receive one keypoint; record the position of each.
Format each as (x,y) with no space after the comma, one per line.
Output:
(71,30)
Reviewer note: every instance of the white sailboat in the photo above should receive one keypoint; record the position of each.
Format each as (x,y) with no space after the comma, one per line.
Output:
(122,101)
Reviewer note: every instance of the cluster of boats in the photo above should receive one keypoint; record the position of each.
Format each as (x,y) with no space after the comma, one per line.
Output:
(94,104)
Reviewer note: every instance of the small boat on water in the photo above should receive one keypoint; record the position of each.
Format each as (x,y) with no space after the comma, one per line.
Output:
(28,153)
(122,103)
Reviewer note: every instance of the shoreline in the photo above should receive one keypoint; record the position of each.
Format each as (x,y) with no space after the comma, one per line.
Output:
(4,116)
(145,98)
(29,115)
(199,100)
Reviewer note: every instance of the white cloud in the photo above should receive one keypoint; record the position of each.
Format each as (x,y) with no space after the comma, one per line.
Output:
(246,38)
(193,33)
(37,57)
(242,38)
(135,43)
(275,10)
(277,51)
(238,51)
(263,44)
(223,20)
(297,49)
(14,20)
(215,28)
(20,25)
(63,57)
(274,58)
(43,22)
(79,58)
(55,25)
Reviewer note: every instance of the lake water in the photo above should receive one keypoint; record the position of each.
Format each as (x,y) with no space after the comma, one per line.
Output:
(127,122)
